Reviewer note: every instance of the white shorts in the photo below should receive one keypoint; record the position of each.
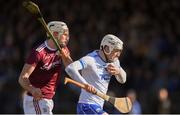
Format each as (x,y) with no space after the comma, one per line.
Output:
(32,106)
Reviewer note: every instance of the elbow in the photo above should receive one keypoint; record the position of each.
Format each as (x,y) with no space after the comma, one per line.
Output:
(69,70)
(124,78)
(121,78)
(20,80)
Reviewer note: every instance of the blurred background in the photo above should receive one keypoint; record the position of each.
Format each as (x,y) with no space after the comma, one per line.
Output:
(150,30)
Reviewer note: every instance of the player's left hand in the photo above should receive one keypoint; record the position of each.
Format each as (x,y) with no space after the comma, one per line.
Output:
(112,69)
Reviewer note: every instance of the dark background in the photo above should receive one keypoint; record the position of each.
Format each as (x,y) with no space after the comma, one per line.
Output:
(150,30)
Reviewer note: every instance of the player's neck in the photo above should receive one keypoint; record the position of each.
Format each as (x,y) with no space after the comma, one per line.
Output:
(101,53)
(50,44)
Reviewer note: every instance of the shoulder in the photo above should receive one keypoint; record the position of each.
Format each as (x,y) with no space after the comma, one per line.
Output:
(86,59)
(93,54)
(40,48)
(38,51)
(90,57)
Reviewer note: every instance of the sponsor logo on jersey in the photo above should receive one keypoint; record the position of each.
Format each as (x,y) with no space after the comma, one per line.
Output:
(105,77)
(48,66)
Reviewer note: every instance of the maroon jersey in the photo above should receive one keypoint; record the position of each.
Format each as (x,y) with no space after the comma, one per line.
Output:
(47,71)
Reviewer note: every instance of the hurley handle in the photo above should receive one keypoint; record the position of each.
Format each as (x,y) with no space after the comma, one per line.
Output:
(81,85)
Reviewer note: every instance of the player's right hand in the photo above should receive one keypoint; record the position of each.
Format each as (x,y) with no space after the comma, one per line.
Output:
(65,52)
(36,93)
(90,88)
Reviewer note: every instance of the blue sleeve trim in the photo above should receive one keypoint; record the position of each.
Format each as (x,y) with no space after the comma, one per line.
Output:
(81,62)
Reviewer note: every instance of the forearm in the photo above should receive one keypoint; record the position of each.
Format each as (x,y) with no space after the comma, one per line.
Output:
(65,55)
(67,60)
(25,83)
(121,77)
(24,77)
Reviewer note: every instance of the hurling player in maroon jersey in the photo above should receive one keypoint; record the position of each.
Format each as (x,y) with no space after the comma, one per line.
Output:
(41,71)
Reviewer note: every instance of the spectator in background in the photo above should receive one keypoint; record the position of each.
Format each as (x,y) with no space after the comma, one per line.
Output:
(136,106)
(164,103)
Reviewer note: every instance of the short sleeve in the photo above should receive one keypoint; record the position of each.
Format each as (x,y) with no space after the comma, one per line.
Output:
(33,58)
(85,61)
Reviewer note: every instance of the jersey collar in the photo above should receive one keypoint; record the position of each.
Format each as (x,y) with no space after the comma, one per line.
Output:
(52,49)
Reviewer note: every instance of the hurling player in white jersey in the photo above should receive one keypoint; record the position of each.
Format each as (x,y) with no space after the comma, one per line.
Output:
(96,70)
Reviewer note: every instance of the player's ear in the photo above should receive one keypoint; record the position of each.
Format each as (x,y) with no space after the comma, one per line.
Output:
(106,49)
(55,34)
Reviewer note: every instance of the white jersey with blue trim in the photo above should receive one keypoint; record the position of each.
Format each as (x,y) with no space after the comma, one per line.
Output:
(95,73)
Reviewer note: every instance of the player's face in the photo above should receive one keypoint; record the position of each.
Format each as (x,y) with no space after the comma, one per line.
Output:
(114,55)
(62,38)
